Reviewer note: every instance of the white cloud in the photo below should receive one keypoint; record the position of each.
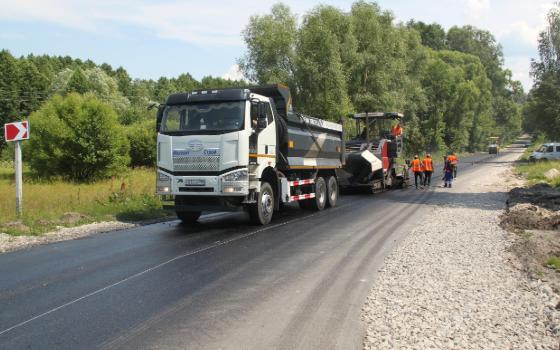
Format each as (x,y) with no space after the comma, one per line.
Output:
(476,8)
(219,23)
(234,73)
(521,68)
(202,23)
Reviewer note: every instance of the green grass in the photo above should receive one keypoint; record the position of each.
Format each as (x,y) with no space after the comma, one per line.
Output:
(534,172)
(533,147)
(128,197)
(554,263)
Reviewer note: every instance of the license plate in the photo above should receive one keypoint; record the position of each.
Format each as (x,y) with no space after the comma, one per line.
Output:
(195,182)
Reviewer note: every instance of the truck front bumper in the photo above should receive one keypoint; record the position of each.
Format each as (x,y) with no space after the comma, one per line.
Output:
(225,192)
(234,183)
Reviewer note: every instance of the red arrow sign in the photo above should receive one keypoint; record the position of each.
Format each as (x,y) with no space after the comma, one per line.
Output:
(16,131)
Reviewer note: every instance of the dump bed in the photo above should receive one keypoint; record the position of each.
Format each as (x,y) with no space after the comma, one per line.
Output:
(303,142)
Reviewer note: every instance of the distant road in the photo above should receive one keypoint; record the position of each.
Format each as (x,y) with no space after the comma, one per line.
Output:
(298,283)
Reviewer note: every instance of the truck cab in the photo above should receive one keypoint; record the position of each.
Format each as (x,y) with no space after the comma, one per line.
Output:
(231,149)
(204,144)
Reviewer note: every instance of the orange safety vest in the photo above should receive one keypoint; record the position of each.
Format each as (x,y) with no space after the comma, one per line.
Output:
(428,166)
(397,130)
(453,159)
(416,166)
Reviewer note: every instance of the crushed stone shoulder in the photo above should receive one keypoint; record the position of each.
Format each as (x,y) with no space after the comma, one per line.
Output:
(10,243)
(451,285)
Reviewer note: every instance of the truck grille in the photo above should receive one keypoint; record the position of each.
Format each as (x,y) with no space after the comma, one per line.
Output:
(196,163)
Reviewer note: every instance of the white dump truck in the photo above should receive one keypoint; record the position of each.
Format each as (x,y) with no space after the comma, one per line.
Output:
(244,149)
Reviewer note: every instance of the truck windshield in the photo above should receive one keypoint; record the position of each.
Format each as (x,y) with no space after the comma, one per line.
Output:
(202,117)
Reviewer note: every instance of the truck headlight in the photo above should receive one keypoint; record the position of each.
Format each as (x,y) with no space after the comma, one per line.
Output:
(237,181)
(163,189)
(163,183)
(239,175)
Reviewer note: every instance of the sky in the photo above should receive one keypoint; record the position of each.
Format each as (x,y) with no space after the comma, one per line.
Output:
(169,37)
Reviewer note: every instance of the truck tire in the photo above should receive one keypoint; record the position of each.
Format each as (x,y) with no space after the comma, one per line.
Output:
(332,191)
(188,217)
(318,203)
(261,212)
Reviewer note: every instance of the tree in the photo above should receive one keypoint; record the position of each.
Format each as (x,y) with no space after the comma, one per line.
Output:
(106,88)
(163,88)
(543,110)
(481,43)
(270,43)
(433,35)
(77,138)
(9,84)
(33,87)
(142,138)
(217,82)
(124,82)
(78,82)
(320,71)
(378,75)
(185,82)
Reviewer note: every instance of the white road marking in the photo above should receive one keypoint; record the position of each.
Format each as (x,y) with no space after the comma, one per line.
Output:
(212,246)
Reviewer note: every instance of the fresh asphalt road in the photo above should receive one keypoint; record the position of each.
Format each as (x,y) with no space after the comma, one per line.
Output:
(298,283)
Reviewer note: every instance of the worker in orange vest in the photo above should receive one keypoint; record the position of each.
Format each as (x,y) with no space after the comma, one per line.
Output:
(452,158)
(428,169)
(416,167)
(397,130)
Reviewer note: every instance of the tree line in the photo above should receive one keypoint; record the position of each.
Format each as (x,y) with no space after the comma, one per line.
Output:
(451,85)
(88,121)
(542,111)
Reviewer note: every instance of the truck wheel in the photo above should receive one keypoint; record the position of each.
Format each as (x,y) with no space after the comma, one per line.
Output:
(318,203)
(261,212)
(188,217)
(332,191)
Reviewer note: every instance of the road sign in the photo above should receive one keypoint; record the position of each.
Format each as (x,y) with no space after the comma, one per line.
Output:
(16,131)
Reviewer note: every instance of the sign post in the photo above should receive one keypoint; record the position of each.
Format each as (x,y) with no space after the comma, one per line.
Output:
(16,132)
(19,180)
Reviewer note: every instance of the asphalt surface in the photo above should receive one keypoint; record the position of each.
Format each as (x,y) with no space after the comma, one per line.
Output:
(298,283)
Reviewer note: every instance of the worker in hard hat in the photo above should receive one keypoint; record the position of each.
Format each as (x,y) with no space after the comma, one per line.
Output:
(447,173)
(454,162)
(397,130)
(416,167)
(428,169)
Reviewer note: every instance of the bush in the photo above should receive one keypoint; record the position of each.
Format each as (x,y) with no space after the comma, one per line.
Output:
(76,137)
(142,137)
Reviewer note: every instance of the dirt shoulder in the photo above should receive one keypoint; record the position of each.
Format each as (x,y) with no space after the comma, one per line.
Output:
(454,283)
(533,214)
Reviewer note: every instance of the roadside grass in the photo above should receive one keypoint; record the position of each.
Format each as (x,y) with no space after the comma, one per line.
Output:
(534,172)
(127,197)
(533,147)
(554,263)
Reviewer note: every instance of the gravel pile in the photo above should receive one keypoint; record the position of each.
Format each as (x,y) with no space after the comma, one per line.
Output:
(451,285)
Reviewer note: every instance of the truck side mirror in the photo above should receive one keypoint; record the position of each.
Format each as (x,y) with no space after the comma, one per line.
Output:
(262,111)
(159,117)
(262,121)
